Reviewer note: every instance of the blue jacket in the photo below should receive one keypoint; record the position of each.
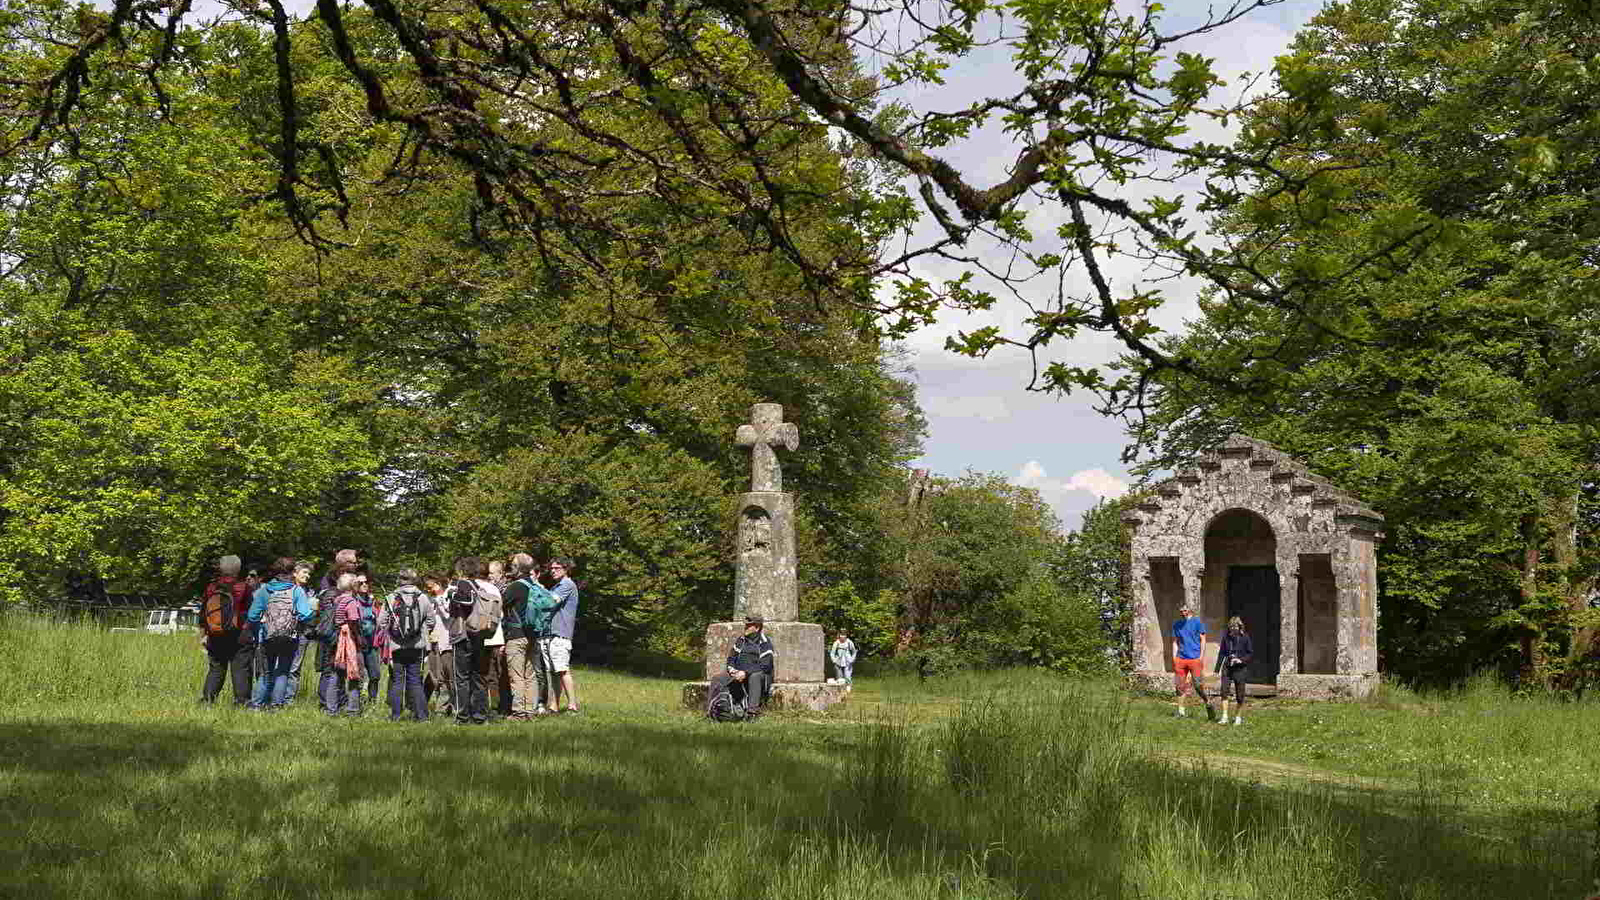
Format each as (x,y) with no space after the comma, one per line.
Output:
(302,602)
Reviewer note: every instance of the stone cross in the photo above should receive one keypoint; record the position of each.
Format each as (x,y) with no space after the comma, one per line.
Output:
(767,432)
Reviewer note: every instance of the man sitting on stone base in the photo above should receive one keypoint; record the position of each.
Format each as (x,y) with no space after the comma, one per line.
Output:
(751,663)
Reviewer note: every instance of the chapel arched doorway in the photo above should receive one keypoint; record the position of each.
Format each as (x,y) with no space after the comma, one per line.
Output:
(1242,579)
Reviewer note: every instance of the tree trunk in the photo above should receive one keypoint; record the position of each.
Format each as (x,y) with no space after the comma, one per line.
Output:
(1534,669)
(1577,590)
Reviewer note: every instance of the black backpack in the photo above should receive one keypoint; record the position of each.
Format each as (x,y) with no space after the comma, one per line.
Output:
(720,705)
(405,617)
(322,627)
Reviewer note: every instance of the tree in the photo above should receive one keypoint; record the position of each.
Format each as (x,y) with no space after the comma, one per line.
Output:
(522,401)
(1453,389)
(1101,107)
(442,389)
(1094,566)
(982,579)
(151,412)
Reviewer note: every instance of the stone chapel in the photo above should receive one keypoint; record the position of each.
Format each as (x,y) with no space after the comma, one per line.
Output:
(1250,532)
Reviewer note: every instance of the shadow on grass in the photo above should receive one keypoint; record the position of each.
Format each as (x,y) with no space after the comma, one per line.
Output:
(1413,842)
(646,663)
(309,808)
(594,808)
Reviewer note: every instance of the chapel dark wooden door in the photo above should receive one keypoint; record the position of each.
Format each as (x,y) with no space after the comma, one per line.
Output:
(1253,596)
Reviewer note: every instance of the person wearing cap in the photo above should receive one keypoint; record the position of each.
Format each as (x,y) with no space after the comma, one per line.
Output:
(751,663)
(1188,654)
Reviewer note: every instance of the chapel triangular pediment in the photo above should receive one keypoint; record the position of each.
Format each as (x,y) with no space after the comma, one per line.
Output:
(1252,468)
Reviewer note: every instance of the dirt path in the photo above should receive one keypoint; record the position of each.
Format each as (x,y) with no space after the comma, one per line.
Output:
(1281,773)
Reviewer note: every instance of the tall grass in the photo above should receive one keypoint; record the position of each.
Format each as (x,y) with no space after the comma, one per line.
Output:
(114,782)
(44,662)
(1042,786)
(1478,747)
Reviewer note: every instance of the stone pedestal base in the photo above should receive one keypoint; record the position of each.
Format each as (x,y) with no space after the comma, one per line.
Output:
(799,647)
(815,695)
(1327,687)
(1294,687)
(1162,683)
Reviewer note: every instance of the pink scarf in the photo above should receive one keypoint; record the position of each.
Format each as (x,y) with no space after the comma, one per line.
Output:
(381,641)
(346,657)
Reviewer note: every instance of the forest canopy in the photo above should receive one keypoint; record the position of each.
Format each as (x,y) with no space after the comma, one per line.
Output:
(504,274)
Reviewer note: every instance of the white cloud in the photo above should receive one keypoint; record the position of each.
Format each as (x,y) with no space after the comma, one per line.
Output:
(1066,495)
(1098,482)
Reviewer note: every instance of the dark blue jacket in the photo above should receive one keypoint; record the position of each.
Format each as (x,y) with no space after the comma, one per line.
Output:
(752,653)
(1235,645)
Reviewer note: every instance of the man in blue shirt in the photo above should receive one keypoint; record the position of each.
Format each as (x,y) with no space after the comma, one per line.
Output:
(1188,655)
(561,628)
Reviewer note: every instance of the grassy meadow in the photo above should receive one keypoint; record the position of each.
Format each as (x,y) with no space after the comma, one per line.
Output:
(115,783)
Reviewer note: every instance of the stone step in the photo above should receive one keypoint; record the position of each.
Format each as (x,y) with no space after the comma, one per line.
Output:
(811,695)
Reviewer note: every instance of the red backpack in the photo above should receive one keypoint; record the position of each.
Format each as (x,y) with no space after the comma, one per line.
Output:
(219,616)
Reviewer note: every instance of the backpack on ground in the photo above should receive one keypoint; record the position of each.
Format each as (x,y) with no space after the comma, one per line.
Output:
(405,617)
(219,615)
(720,705)
(322,625)
(485,615)
(280,619)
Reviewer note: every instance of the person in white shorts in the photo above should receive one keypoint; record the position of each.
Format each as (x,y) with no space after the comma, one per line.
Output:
(561,628)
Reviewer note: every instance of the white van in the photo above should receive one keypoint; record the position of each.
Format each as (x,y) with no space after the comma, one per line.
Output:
(172,621)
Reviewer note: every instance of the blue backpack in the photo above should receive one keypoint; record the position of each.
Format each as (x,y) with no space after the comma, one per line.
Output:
(541,608)
(367,625)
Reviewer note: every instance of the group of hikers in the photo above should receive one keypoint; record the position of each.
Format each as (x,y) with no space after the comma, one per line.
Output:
(492,638)
(1188,663)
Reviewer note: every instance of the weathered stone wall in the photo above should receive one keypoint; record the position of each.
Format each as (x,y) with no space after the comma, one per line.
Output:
(799,647)
(810,696)
(1294,514)
(765,581)
(1327,687)
(1319,615)
(1166,586)
(1364,566)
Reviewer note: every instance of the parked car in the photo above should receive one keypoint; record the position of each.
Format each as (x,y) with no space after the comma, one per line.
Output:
(170,621)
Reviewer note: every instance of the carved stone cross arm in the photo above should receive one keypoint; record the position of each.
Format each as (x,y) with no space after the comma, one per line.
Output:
(763,436)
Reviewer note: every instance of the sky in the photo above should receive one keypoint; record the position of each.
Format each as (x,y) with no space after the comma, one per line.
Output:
(980,414)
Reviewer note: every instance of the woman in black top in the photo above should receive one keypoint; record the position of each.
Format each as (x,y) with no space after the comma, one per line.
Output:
(1233,660)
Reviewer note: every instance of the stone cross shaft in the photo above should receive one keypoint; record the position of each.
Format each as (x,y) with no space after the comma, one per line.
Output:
(764,435)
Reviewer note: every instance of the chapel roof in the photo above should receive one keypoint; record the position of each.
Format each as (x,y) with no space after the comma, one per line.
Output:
(1282,466)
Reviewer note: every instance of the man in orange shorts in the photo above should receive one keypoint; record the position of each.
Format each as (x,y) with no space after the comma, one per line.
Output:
(1188,656)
